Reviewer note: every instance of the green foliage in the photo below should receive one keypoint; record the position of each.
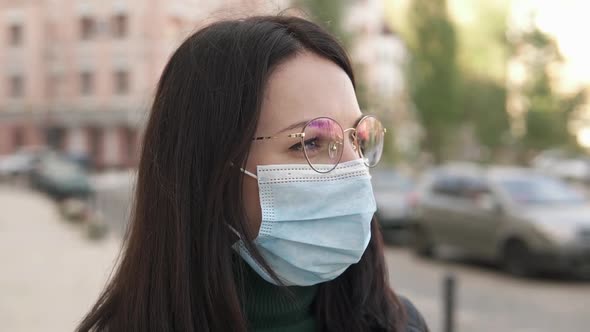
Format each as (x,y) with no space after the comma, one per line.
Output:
(433,73)
(548,113)
(329,14)
(547,121)
(545,129)
(484,103)
(482,40)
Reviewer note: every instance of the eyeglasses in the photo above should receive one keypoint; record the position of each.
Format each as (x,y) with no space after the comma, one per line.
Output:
(322,142)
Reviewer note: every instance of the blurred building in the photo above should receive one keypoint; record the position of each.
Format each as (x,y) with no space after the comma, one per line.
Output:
(79,75)
(380,58)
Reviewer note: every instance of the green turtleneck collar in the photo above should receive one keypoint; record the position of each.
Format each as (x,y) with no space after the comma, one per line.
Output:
(272,308)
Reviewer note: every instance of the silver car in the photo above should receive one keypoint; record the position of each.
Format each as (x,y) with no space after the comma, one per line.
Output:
(526,221)
(394,194)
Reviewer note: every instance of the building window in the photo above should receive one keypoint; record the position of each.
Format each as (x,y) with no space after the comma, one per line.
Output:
(120,26)
(86,83)
(16,86)
(121,82)
(15,35)
(87,28)
(95,145)
(129,145)
(18,137)
(53,86)
(56,137)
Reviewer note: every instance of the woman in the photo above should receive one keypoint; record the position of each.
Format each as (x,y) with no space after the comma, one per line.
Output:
(253,208)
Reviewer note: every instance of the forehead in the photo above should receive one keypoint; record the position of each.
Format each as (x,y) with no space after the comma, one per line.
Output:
(305,87)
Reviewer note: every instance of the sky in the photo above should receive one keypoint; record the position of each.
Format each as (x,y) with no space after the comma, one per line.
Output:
(568,22)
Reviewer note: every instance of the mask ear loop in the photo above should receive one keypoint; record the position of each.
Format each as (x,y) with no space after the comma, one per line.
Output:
(250,174)
(234,231)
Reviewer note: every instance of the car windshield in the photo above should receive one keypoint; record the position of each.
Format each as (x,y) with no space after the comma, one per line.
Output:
(541,190)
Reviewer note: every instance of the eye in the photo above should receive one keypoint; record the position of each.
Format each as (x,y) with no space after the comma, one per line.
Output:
(310,145)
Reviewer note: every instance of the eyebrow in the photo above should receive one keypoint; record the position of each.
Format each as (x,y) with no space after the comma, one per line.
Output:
(293,126)
(304,122)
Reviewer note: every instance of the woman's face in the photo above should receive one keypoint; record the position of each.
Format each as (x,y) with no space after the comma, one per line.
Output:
(301,89)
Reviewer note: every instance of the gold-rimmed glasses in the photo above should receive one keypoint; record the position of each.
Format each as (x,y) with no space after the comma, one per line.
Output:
(322,141)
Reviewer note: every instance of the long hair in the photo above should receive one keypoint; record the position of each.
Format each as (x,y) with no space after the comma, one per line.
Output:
(177,271)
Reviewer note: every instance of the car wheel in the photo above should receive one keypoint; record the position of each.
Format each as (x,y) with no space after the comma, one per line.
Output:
(516,259)
(422,242)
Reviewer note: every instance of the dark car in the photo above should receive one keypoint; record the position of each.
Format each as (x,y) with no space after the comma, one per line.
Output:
(60,177)
(522,219)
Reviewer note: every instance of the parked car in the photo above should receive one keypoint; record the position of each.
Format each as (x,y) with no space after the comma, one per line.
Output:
(21,162)
(571,167)
(524,220)
(60,177)
(394,197)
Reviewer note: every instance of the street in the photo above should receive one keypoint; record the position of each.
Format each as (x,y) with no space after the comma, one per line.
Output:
(487,299)
(52,273)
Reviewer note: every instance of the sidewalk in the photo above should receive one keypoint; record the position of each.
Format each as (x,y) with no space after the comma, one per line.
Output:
(50,273)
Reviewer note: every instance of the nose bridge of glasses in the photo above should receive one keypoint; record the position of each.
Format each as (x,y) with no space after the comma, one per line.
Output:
(350,133)
(350,148)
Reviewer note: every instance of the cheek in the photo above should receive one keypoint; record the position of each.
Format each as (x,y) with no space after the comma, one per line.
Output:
(252,206)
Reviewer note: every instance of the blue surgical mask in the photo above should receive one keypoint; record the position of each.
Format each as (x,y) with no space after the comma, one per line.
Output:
(314,226)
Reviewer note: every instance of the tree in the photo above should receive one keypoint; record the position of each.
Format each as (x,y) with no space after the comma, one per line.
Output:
(547,114)
(484,103)
(433,73)
(483,55)
(329,14)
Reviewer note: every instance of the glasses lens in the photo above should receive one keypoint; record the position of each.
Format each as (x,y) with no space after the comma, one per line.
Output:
(323,144)
(369,133)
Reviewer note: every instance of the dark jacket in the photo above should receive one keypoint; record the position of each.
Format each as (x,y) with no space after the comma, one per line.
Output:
(415,321)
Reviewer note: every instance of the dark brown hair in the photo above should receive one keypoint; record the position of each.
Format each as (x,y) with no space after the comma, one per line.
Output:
(177,270)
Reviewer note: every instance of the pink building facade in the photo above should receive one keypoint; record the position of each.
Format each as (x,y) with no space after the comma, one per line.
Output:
(79,75)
